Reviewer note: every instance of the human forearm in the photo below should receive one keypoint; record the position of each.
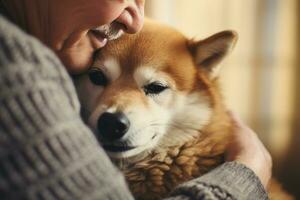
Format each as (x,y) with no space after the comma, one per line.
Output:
(229,181)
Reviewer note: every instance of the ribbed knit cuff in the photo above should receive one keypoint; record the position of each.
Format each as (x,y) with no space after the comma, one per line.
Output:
(228,181)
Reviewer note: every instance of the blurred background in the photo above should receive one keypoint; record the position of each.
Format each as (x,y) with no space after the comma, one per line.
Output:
(261,79)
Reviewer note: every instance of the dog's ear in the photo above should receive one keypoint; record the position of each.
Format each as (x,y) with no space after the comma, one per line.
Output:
(208,53)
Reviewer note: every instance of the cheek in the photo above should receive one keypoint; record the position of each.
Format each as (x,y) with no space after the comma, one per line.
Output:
(160,108)
(164,100)
(147,122)
(144,112)
(78,58)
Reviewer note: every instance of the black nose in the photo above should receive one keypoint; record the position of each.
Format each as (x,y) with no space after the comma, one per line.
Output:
(113,126)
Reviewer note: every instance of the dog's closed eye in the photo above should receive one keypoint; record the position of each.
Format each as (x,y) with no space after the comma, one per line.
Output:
(154,88)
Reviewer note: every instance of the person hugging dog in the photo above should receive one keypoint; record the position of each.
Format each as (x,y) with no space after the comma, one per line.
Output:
(46,150)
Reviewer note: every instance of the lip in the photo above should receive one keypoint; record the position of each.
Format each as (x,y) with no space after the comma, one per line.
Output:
(117,149)
(98,39)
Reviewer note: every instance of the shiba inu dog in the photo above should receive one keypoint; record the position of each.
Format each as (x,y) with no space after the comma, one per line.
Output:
(153,101)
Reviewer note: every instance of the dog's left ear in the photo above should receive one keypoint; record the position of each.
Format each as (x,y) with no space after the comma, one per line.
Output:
(208,53)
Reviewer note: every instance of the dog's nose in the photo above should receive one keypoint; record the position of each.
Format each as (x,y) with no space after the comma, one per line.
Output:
(113,126)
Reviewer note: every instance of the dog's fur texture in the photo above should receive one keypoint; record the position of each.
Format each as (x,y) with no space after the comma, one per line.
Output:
(180,133)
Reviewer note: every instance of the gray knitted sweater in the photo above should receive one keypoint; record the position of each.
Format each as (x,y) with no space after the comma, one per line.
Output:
(47,152)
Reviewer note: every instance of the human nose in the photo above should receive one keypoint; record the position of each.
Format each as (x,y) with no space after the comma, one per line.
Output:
(133,16)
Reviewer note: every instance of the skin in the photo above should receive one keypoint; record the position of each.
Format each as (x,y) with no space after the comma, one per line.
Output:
(244,146)
(65,27)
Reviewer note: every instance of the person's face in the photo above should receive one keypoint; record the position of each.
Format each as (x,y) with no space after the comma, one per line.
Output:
(78,28)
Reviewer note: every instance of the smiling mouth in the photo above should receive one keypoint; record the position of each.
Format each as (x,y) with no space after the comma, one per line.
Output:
(111,32)
(117,149)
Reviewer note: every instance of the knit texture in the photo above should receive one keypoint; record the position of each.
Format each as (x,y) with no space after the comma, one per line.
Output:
(47,152)
(228,181)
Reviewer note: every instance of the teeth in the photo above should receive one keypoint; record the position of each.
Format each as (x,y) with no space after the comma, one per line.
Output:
(106,34)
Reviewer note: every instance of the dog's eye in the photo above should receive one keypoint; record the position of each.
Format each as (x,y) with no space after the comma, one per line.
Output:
(154,88)
(97,77)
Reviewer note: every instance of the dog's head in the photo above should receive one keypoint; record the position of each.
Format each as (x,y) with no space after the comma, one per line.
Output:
(152,90)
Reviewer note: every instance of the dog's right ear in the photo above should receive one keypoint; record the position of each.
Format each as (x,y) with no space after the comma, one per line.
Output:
(208,53)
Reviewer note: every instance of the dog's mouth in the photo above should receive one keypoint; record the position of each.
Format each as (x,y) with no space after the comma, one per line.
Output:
(117,149)
(122,152)
(125,149)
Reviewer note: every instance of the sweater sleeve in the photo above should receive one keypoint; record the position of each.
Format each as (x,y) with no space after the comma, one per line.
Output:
(228,181)
(46,151)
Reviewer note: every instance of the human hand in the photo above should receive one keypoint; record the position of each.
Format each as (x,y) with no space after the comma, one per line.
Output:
(246,148)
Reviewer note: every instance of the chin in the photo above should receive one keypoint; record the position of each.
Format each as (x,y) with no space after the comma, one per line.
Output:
(130,150)
(76,63)
(125,160)
(126,154)
(130,155)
